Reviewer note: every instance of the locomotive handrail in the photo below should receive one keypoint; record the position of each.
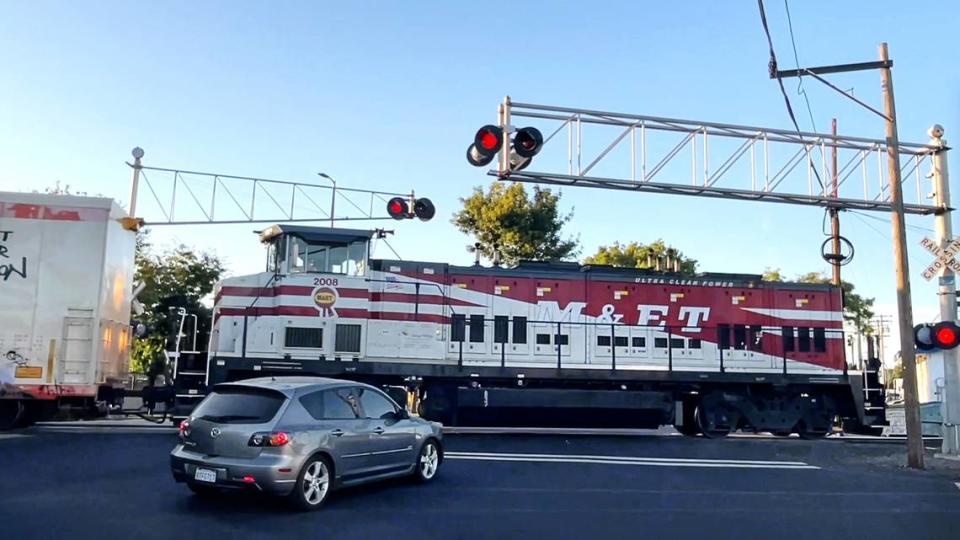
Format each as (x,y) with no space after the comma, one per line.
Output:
(558,327)
(446,302)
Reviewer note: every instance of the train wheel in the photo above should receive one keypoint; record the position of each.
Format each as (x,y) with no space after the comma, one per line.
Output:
(11,413)
(715,421)
(689,427)
(812,432)
(439,405)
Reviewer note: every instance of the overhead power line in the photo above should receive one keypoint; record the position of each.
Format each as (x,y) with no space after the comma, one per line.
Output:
(796,57)
(783,90)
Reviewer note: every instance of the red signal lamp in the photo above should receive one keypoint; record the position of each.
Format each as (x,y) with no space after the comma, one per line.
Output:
(486,143)
(488,139)
(398,208)
(946,335)
(943,336)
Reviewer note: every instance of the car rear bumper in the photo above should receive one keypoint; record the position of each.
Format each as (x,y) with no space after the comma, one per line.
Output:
(271,473)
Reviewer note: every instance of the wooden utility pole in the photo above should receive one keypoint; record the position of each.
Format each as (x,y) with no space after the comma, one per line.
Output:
(904,303)
(835,213)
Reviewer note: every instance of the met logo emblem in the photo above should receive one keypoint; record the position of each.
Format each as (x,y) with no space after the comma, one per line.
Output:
(324,298)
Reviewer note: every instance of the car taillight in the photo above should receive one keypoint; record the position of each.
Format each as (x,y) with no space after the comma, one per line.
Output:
(266,438)
(184,428)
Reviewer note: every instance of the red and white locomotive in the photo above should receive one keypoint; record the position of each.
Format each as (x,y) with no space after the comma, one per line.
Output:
(708,353)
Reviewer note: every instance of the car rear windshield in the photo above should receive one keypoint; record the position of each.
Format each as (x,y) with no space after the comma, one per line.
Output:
(239,405)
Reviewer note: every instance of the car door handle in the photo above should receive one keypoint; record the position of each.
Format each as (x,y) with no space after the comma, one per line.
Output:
(337,433)
(378,430)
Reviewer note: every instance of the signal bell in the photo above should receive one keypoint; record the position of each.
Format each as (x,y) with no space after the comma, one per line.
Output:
(939,336)
(423,209)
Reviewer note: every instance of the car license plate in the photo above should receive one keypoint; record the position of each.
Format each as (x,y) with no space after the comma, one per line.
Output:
(205,475)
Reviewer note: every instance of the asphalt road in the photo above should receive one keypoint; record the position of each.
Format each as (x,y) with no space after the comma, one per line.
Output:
(92,483)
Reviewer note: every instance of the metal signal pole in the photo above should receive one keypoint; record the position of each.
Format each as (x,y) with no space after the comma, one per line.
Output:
(948,297)
(835,214)
(137,155)
(904,304)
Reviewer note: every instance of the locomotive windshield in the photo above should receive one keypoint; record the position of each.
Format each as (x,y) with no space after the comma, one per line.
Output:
(298,250)
(322,257)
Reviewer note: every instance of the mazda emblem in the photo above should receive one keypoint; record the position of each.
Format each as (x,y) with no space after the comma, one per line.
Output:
(214,433)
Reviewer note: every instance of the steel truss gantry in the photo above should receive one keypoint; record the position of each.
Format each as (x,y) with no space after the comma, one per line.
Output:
(725,161)
(185,197)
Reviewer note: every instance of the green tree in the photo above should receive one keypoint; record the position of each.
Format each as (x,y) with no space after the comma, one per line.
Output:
(173,278)
(505,219)
(772,274)
(637,255)
(856,309)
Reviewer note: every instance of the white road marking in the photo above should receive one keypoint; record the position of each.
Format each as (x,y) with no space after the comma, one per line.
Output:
(957,484)
(628,460)
(12,436)
(106,429)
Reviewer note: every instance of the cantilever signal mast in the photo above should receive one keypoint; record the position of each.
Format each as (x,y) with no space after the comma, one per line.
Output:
(186,197)
(710,159)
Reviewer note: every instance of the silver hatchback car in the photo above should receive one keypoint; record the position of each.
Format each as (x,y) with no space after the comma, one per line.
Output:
(301,437)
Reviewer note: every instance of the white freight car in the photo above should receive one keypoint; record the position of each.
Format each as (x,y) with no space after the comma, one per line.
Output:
(66,275)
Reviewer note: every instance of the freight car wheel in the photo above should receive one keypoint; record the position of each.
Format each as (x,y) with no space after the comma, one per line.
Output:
(11,412)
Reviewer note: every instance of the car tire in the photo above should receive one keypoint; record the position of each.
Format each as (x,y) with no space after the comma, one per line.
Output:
(203,491)
(428,462)
(313,484)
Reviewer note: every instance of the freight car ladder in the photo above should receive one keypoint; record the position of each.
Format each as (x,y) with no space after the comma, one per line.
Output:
(189,369)
(77,352)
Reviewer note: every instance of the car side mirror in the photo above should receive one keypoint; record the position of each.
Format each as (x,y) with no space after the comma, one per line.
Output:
(402,414)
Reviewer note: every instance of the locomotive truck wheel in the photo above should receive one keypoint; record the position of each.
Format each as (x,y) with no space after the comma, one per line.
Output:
(810,432)
(689,426)
(714,422)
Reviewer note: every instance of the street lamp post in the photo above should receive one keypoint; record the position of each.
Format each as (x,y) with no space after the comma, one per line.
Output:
(333,196)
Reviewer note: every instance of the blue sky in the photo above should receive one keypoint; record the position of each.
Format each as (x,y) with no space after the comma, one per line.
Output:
(386,95)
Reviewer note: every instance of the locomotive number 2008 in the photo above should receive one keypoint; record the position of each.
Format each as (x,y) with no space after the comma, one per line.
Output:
(329,282)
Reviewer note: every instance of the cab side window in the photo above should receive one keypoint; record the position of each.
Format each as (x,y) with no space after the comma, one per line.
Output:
(340,404)
(375,405)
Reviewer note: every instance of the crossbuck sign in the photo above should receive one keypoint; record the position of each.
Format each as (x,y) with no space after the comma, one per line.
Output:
(944,257)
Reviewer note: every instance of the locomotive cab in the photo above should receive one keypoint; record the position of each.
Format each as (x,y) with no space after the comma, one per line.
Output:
(316,250)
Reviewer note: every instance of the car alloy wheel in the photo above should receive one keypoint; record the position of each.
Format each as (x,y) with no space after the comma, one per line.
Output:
(429,462)
(313,485)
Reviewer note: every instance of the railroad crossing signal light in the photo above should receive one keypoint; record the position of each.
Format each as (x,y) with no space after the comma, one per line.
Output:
(942,336)
(399,208)
(486,144)
(527,142)
(424,209)
(489,140)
